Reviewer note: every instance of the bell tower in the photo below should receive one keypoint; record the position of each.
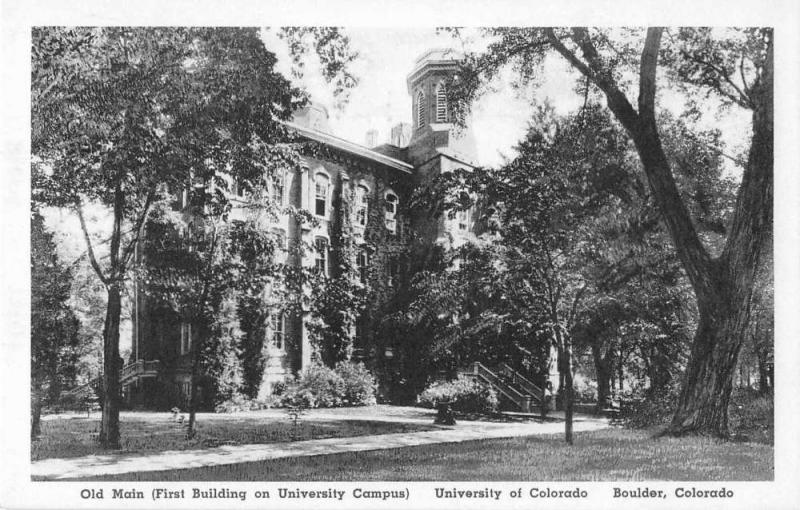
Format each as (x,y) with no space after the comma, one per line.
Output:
(437,146)
(433,130)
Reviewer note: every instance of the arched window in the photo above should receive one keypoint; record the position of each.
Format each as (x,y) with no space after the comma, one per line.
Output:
(420,109)
(441,103)
(390,217)
(321,193)
(362,205)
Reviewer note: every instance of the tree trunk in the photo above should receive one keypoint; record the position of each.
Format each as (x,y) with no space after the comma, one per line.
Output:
(190,428)
(708,381)
(568,392)
(603,367)
(109,425)
(36,414)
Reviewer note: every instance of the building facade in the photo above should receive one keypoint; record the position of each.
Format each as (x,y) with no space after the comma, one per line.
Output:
(378,182)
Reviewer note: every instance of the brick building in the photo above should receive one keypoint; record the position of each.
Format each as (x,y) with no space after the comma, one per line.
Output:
(379,181)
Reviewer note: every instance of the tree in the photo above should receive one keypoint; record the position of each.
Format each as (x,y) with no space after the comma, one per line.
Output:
(197,268)
(54,326)
(118,112)
(738,70)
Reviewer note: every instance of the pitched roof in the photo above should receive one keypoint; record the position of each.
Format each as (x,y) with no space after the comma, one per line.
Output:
(350,147)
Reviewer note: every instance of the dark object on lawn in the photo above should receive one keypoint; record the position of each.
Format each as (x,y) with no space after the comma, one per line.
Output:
(294,413)
(444,414)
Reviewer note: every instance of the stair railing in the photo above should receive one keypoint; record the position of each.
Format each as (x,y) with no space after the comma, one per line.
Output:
(523,402)
(519,380)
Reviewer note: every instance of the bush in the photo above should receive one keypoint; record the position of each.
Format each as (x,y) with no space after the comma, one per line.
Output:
(238,403)
(320,386)
(317,385)
(642,411)
(752,415)
(359,384)
(466,395)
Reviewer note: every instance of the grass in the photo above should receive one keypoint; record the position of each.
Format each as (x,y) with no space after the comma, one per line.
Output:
(611,454)
(75,436)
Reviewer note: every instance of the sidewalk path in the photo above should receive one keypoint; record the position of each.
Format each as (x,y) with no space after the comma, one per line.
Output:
(113,464)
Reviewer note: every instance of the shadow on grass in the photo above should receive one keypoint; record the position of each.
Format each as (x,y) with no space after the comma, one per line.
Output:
(605,455)
(149,434)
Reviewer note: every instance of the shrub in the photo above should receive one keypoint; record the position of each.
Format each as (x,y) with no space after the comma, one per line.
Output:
(466,394)
(752,415)
(641,411)
(319,385)
(238,403)
(359,384)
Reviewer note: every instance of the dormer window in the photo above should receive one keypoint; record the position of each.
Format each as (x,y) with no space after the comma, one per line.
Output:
(420,109)
(362,205)
(390,217)
(321,190)
(441,103)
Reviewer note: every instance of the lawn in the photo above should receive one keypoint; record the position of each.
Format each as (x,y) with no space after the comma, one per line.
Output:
(75,436)
(605,455)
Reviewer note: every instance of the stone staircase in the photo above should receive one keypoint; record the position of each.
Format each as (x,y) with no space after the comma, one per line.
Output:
(512,387)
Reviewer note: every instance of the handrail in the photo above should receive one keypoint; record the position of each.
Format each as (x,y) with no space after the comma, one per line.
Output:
(522,401)
(139,367)
(523,382)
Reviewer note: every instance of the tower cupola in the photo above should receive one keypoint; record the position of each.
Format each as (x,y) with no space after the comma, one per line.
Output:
(432,128)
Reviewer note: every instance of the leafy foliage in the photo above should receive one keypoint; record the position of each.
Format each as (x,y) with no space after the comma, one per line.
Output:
(465,394)
(348,384)
(54,326)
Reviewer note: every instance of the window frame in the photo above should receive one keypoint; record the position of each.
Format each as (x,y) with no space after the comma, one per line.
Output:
(186,338)
(277,329)
(362,264)
(326,199)
(362,205)
(420,113)
(321,255)
(390,218)
(441,103)
(278,180)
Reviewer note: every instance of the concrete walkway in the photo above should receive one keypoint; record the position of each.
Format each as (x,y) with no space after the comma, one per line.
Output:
(114,464)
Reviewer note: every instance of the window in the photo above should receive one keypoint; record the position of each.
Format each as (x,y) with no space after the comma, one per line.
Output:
(277,186)
(441,103)
(362,205)
(321,187)
(393,270)
(186,337)
(276,329)
(321,256)
(280,239)
(420,109)
(463,220)
(391,212)
(362,262)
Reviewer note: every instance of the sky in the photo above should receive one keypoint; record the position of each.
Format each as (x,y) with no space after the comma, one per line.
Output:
(499,118)
(381,99)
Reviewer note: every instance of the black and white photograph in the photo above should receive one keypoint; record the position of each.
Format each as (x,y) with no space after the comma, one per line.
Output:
(259,262)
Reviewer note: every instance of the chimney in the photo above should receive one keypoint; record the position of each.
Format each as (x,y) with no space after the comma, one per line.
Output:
(371,139)
(401,134)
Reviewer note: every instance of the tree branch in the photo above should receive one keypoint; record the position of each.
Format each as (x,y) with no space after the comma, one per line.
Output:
(89,248)
(129,249)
